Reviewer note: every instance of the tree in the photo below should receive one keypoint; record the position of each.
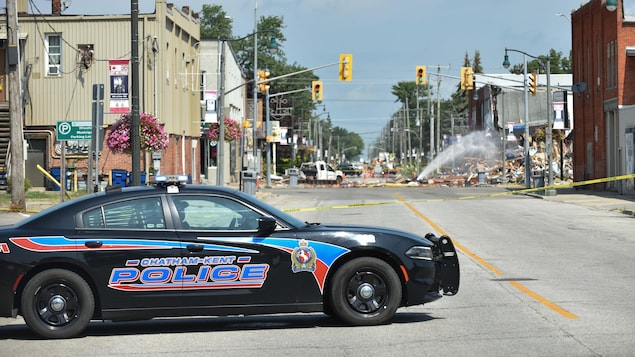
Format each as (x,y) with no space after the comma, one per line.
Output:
(215,23)
(477,62)
(405,120)
(267,28)
(557,62)
(344,142)
(406,92)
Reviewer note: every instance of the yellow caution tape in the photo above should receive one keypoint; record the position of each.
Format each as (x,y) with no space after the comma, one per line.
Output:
(514,192)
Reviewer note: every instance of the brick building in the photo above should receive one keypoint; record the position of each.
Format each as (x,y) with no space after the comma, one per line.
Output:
(603,62)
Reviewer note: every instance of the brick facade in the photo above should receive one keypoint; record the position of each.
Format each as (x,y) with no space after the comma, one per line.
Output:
(595,38)
(172,159)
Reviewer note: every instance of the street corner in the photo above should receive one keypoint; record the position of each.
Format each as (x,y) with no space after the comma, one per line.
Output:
(8,217)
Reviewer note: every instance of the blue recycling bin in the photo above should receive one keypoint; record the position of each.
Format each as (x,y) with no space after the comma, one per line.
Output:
(118,177)
(56,173)
(3,177)
(131,178)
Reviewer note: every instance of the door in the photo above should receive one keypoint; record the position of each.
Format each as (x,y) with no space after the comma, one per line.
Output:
(36,155)
(229,267)
(132,254)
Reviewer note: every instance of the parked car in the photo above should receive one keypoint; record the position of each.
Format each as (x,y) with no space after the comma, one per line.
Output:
(350,169)
(181,250)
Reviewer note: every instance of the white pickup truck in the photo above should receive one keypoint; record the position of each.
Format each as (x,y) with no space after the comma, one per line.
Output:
(321,172)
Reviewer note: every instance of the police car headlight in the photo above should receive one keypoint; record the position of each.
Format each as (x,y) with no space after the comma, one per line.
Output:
(420,252)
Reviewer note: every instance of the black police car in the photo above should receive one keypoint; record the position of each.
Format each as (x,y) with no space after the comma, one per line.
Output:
(183,250)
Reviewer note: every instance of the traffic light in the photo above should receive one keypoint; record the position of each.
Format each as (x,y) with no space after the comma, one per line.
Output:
(263,84)
(421,75)
(346,67)
(467,78)
(533,82)
(316,91)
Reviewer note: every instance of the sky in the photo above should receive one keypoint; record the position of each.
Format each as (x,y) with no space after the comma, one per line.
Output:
(388,39)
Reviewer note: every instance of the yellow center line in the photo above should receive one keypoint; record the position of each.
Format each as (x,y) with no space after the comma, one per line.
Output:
(553,306)
(542,300)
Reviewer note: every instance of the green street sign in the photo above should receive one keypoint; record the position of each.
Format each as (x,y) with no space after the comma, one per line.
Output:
(74,130)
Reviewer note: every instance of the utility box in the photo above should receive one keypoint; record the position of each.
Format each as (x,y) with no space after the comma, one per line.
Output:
(211,175)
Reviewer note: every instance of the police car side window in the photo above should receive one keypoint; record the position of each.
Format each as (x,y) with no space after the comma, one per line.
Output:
(93,219)
(215,213)
(146,213)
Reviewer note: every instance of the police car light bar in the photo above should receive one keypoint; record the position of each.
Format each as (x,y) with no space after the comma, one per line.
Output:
(166,180)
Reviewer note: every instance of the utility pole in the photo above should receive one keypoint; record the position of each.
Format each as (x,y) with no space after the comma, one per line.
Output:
(438,141)
(220,147)
(431,116)
(135,140)
(409,157)
(420,124)
(15,108)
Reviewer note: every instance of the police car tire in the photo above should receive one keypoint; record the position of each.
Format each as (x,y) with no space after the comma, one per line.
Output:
(362,284)
(58,285)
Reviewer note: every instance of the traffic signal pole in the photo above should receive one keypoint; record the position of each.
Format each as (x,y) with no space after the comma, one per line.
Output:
(257,81)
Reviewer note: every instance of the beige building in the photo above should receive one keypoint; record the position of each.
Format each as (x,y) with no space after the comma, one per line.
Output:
(64,56)
(234,107)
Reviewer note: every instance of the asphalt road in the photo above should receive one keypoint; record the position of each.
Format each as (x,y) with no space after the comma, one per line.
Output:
(539,277)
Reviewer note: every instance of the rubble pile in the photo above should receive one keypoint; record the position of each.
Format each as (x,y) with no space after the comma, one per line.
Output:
(471,171)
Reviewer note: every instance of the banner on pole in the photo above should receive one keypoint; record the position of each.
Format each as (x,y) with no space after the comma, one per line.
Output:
(211,114)
(119,94)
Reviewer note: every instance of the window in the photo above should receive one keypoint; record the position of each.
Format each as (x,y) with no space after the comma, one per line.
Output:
(54,57)
(146,213)
(611,65)
(215,213)
(85,55)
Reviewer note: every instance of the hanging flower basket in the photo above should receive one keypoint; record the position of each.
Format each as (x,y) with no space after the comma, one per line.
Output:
(232,130)
(151,134)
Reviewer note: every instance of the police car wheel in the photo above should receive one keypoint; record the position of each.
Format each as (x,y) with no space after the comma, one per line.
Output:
(365,291)
(57,303)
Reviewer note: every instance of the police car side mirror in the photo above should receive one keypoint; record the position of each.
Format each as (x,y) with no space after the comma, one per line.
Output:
(266,226)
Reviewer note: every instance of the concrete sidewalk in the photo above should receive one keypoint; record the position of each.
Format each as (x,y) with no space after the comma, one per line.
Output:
(609,201)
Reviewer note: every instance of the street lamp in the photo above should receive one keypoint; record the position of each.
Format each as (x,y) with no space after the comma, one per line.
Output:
(526,112)
(564,15)
(273,48)
(548,133)
(611,5)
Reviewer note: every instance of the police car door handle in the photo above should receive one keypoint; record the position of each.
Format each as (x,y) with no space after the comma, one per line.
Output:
(195,247)
(93,244)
